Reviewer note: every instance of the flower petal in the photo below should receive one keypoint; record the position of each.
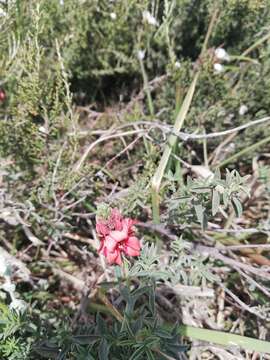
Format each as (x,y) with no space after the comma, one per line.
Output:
(133,242)
(114,257)
(102,229)
(118,260)
(118,235)
(101,247)
(132,246)
(128,226)
(116,219)
(110,243)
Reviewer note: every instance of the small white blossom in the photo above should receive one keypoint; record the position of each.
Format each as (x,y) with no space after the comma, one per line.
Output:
(43,283)
(18,305)
(149,18)
(42,130)
(2,12)
(222,54)
(177,64)
(141,54)
(243,109)
(61,2)
(113,16)
(218,68)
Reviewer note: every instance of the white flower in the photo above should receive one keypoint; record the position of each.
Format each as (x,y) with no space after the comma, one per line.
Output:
(113,16)
(243,109)
(42,130)
(218,68)
(141,54)
(222,54)
(149,18)
(177,64)
(61,2)
(43,283)
(18,305)
(2,12)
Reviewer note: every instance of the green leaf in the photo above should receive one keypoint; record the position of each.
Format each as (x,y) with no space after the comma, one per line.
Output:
(226,339)
(103,351)
(164,334)
(118,272)
(140,291)
(101,325)
(47,350)
(137,325)
(85,339)
(215,202)
(152,300)
(106,285)
(237,206)
(217,174)
(150,355)
(199,209)
(62,355)
(126,326)
(225,199)
(137,355)
(201,190)
(201,216)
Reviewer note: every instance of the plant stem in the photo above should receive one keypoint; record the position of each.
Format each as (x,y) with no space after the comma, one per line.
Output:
(146,88)
(156,180)
(243,152)
(226,339)
(209,30)
(205,153)
(256,44)
(110,307)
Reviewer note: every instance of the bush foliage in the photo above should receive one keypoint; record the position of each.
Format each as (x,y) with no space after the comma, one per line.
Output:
(89,94)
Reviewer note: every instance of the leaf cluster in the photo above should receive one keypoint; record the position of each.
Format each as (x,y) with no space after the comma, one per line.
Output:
(201,199)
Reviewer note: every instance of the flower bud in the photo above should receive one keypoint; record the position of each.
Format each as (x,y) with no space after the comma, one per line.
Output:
(2,95)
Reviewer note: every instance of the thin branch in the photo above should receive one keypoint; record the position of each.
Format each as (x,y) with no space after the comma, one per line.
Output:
(245,246)
(101,139)
(243,305)
(185,136)
(214,252)
(255,283)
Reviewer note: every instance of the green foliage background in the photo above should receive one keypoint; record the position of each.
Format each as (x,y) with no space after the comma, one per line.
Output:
(58,56)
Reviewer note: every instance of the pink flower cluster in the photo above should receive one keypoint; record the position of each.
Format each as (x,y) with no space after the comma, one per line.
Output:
(117,237)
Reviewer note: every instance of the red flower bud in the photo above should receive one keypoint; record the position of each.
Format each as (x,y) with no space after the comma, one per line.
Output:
(2,95)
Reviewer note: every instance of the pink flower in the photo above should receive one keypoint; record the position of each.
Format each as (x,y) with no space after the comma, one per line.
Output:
(117,237)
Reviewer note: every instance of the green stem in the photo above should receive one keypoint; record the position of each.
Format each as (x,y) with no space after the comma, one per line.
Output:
(147,89)
(226,339)
(156,180)
(205,153)
(209,30)
(243,152)
(256,44)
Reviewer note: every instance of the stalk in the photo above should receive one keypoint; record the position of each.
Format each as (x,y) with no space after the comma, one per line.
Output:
(226,339)
(157,178)
(243,152)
